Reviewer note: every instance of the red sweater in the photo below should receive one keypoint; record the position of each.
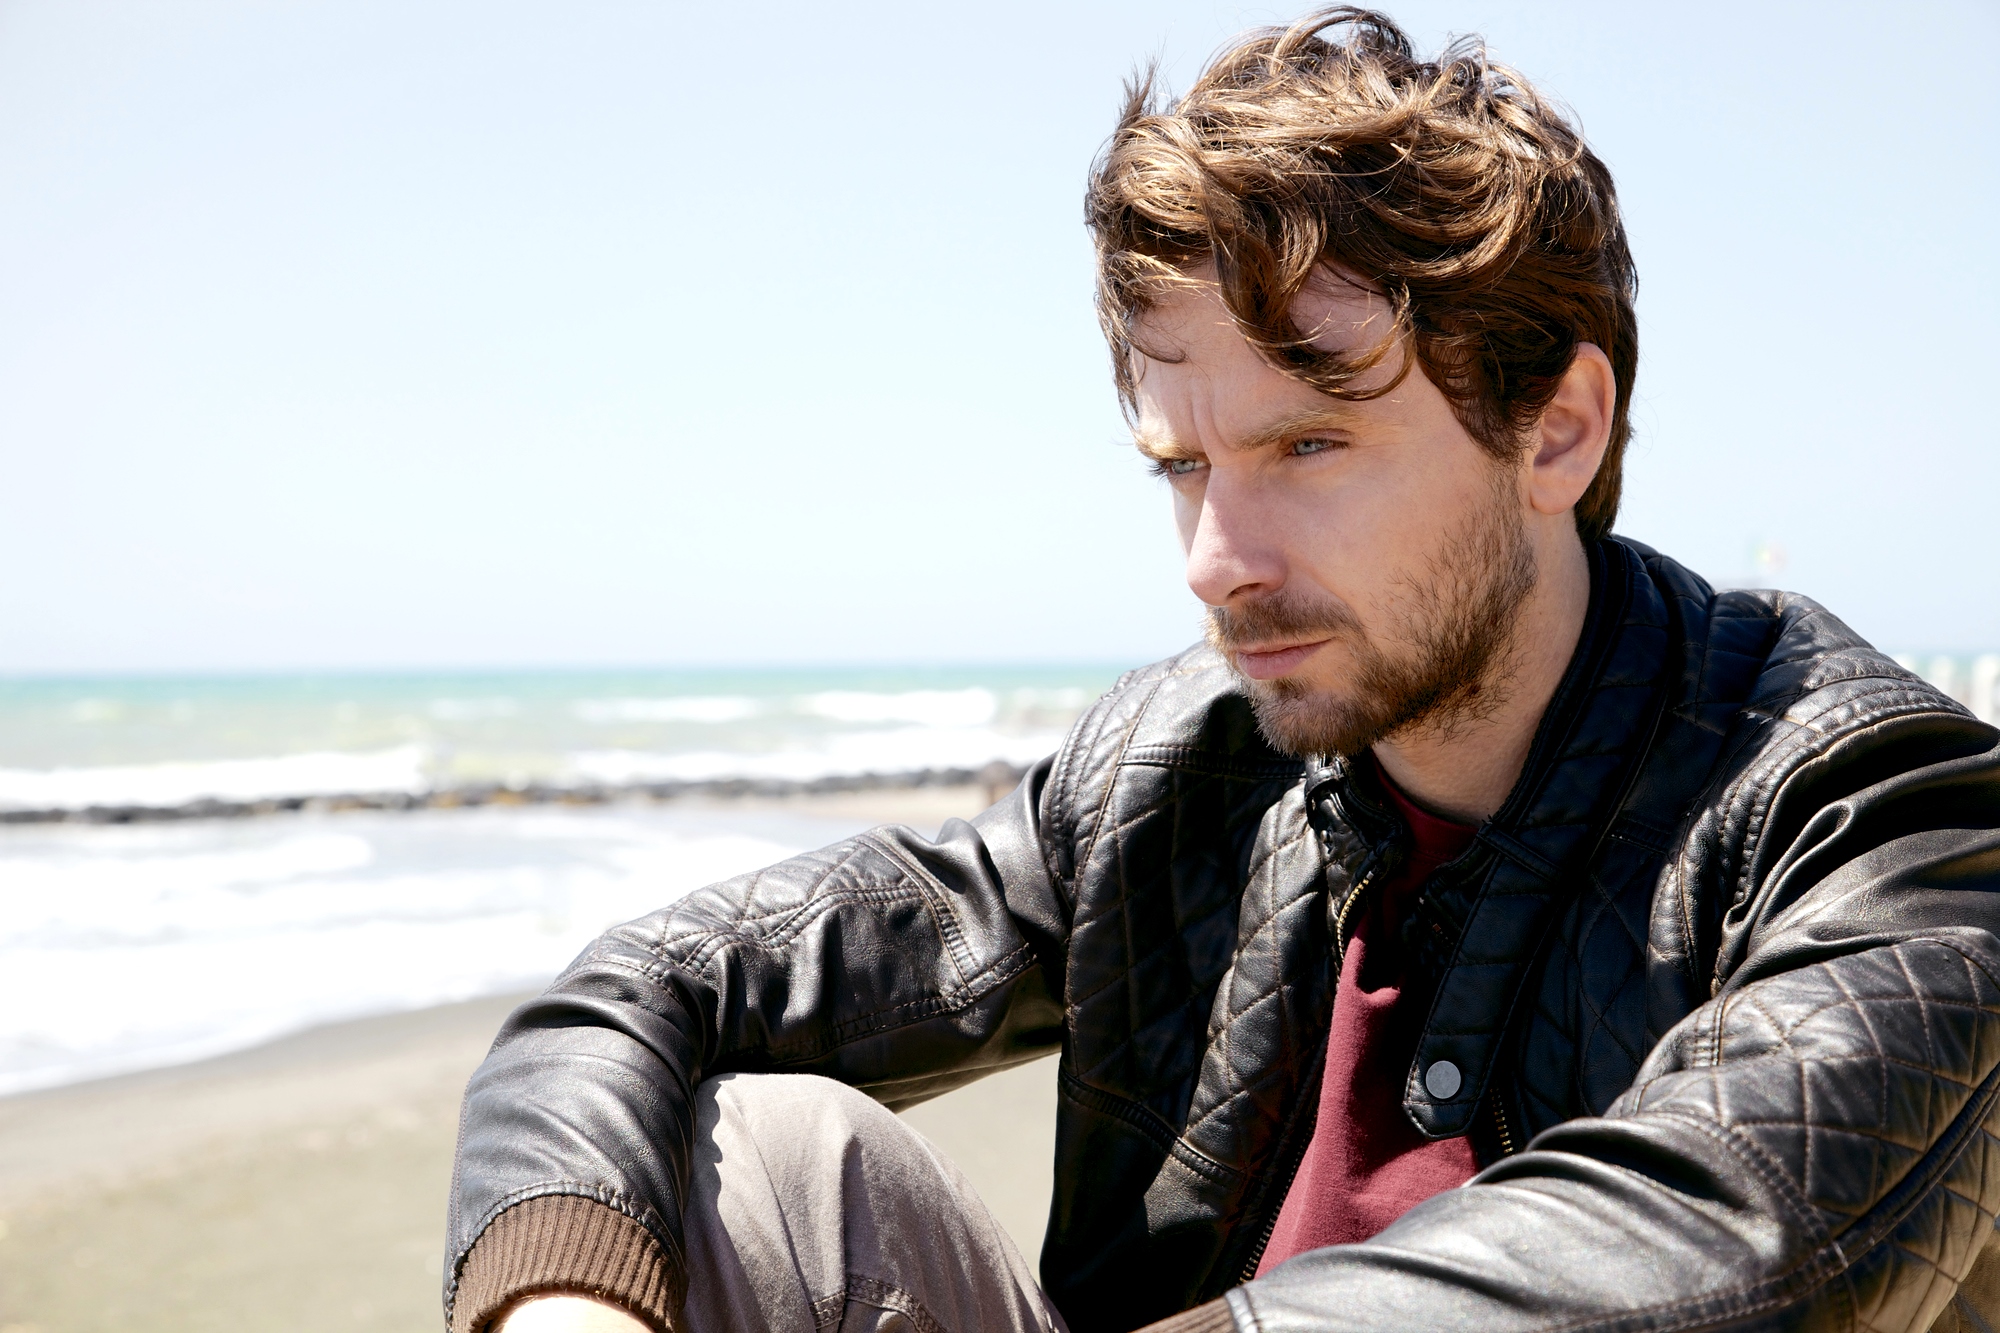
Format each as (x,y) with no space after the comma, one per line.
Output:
(1367,1164)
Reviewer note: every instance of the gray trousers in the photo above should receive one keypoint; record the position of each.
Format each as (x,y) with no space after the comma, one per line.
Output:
(812,1207)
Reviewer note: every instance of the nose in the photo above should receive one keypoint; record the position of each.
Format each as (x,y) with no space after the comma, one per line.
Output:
(1233,551)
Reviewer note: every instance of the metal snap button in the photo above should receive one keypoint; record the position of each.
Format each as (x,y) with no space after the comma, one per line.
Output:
(1442,1080)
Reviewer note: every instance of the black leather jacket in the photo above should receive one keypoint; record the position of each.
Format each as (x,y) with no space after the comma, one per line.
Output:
(1721,979)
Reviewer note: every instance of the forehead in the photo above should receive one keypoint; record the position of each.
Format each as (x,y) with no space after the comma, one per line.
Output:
(1337,312)
(1197,376)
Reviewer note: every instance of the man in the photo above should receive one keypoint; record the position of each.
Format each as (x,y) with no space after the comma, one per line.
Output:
(1493,927)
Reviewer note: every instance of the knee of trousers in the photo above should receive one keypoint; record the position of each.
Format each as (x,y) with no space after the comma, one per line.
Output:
(789,1114)
(814,1148)
(807,1198)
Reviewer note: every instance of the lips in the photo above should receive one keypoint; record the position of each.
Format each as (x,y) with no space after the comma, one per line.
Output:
(1271,663)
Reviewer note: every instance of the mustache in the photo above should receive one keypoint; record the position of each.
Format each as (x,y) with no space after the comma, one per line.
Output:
(1282,615)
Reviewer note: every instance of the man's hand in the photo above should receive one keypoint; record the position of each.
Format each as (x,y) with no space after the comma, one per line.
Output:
(567,1314)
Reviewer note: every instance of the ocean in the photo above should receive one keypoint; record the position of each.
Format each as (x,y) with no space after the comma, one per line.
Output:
(132,936)
(430,838)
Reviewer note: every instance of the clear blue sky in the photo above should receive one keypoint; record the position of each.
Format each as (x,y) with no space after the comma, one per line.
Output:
(417,332)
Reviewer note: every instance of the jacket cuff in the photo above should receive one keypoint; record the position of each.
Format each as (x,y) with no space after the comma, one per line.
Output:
(1213,1317)
(561,1243)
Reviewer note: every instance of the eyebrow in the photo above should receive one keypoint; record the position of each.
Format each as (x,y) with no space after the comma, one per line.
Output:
(1163,447)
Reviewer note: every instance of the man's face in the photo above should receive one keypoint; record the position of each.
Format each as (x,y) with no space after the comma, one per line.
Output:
(1365,563)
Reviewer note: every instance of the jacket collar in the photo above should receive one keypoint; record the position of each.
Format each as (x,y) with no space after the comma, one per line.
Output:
(1481,919)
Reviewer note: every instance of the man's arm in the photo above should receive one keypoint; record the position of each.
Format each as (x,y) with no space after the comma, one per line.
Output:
(901,966)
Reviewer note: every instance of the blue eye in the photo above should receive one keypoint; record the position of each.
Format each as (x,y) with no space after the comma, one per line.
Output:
(1302,448)
(1180,467)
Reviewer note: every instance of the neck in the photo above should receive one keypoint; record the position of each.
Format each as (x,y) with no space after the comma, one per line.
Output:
(1464,771)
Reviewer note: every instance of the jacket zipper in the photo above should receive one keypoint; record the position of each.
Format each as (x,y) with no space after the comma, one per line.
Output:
(1298,1155)
(1347,910)
(1298,1158)
(1506,1135)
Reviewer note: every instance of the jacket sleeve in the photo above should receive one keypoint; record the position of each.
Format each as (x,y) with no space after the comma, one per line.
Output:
(901,966)
(1813,1148)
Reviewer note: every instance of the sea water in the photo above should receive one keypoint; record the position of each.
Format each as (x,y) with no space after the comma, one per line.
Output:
(124,946)
(73,744)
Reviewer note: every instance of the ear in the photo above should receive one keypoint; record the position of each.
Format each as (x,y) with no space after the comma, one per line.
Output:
(1574,430)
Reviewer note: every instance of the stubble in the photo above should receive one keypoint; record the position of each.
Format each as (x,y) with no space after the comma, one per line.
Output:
(1451,667)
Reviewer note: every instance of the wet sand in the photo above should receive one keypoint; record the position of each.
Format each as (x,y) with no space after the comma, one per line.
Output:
(301,1185)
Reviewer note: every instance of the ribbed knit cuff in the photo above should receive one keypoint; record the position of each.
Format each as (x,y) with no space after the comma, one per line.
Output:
(1211,1318)
(563,1243)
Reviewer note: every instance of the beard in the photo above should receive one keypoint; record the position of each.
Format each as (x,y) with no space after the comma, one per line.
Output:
(1453,665)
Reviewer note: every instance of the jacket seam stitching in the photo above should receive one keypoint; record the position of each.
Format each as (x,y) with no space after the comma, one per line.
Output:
(865,1025)
(1081,742)
(1758,789)
(1243,942)
(963,961)
(713,940)
(1198,759)
(1151,1125)
(871,1024)
(1833,1253)
(1111,782)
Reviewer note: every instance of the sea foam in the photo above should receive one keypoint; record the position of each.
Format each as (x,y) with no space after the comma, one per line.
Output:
(168,785)
(129,947)
(850,754)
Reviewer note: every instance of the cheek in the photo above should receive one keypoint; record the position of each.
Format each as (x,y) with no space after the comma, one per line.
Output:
(1348,541)
(1187,513)
(1322,533)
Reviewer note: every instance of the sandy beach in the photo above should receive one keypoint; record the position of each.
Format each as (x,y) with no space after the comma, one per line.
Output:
(301,1185)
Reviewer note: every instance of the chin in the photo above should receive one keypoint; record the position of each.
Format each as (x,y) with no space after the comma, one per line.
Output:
(1303,720)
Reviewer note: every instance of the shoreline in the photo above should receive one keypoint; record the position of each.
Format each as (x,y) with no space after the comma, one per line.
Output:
(996,778)
(794,821)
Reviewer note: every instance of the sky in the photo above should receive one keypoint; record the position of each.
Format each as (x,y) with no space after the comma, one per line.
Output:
(417,333)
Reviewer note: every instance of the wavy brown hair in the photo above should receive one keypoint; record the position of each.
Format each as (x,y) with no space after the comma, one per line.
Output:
(1450,185)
